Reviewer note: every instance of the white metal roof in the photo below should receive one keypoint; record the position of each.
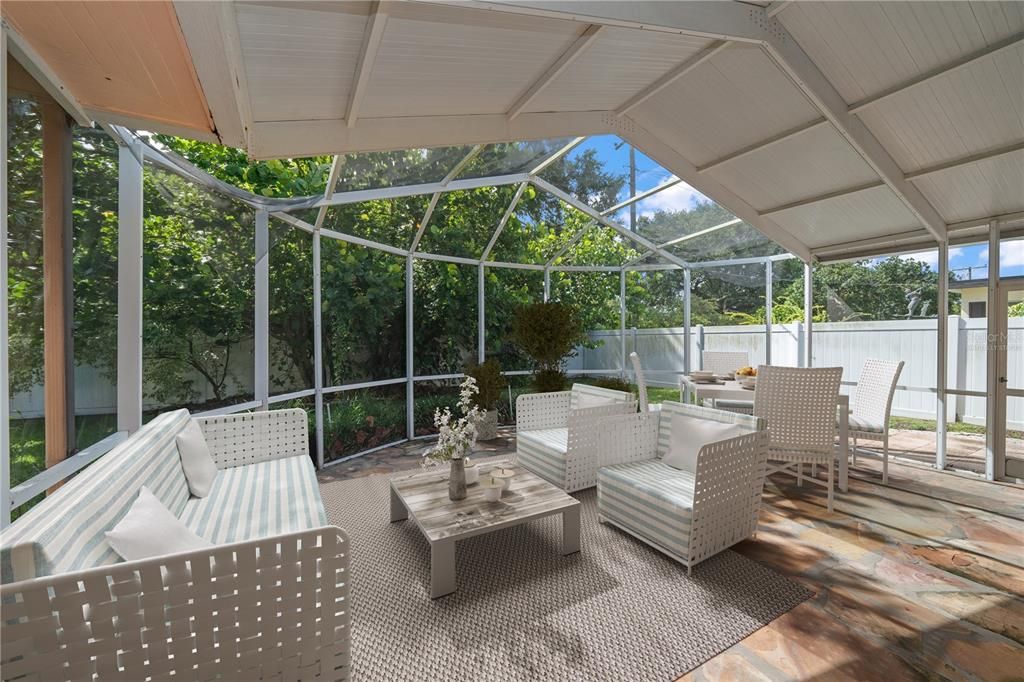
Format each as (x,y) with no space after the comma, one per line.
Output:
(832,127)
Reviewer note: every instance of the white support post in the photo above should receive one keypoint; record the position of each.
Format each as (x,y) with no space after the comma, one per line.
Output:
(547,285)
(993,429)
(768,295)
(942,351)
(481,317)
(129,287)
(318,353)
(622,325)
(409,359)
(5,406)
(261,325)
(686,321)
(808,313)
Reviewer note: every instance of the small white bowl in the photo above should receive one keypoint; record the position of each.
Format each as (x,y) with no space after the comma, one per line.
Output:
(504,475)
(492,488)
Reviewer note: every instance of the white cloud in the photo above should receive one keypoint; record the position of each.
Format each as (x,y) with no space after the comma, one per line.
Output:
(678,197)
(1011,254)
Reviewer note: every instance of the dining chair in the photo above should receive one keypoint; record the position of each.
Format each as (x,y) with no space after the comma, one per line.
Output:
(799,405)
(872,405)
(727,362)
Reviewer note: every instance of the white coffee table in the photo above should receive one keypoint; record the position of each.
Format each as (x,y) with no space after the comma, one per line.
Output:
(424,497)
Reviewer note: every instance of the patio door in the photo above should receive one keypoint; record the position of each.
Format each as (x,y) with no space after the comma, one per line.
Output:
(1007,438)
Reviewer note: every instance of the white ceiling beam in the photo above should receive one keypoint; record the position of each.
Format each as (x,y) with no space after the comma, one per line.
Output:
(575,51)
(372,37)
(621,229)
(777,7)
(201,28)
(504,219)
(965,160)
(238,81)
(540,167)
(874,184)
(806,75)
(671,159)
(671,77)
(762,144)
(25,55)
(281,139)
(356,196)
(938,72)
(713,20)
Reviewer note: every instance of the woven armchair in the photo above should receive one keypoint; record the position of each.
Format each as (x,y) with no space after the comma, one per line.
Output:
(799,405)
(872,405)
(555,438)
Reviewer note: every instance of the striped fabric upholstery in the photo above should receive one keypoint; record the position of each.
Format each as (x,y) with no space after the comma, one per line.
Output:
(605,394)
(43,542)
(258,500)
(651,499)
(543,451)
(670,408)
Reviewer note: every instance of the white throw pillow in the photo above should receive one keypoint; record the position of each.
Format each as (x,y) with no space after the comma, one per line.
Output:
(690,434)
(149,529)
(196,460)
(586,400)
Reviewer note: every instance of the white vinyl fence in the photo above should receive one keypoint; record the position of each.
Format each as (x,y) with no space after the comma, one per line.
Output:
(835,344)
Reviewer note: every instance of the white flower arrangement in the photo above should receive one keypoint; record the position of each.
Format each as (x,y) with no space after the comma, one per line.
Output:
(455,437)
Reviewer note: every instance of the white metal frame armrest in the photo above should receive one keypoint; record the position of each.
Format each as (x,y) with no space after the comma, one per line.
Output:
(536,411)
(272,608)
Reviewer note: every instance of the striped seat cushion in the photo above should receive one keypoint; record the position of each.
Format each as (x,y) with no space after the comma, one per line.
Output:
(66,531)
(865,425)
(651,499)
(258,500)
(542,451)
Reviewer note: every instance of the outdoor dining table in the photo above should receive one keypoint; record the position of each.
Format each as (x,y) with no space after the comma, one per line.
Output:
(732,390)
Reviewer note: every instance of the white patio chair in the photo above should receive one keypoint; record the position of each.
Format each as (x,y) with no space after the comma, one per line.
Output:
(641,381)
(872,404)
(726,362)
(799,405)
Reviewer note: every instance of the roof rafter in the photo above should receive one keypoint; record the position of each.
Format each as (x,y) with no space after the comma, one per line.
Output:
(762,144)
(372,37)
(575,51)
(937,72)
(236,67)
(965,160)
(669,157)
(874,184)
(671,77)
(806,75)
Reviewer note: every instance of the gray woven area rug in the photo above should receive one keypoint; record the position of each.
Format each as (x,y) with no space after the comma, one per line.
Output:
(618,610)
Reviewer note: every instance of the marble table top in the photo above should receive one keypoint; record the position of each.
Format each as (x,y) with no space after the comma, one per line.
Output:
(528,496)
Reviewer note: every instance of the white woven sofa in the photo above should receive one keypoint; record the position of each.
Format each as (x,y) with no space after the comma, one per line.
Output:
(689,516)
(554,436)
(270,599)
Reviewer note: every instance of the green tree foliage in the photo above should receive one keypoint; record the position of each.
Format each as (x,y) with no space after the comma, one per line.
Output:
(548,333)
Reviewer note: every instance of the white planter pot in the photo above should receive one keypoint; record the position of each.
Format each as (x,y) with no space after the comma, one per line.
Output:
(487,429)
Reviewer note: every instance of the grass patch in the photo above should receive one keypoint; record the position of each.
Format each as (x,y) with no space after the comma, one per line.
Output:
(913,424)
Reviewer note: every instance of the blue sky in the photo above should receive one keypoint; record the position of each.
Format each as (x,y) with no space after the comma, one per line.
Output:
(682,196)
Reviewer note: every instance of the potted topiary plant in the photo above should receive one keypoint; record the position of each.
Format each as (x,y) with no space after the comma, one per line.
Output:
(548,333)
(490,382)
